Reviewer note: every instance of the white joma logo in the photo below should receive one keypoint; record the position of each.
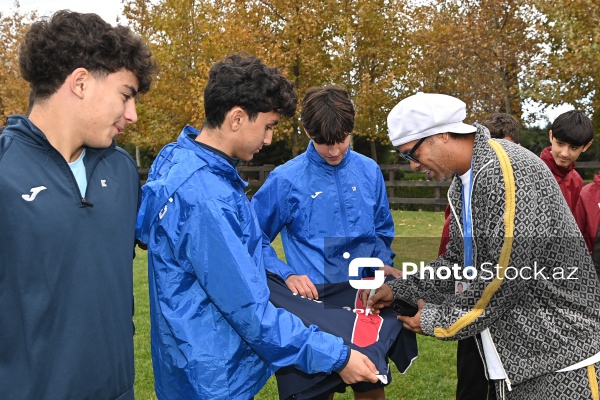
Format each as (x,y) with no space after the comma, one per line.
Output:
(162,212)
(34,193)
(314,196)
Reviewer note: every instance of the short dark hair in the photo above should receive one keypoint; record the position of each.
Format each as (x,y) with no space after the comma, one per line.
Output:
(573,127)
(244,81)
(457,136)
(502,126)
(53,48)
(327,114)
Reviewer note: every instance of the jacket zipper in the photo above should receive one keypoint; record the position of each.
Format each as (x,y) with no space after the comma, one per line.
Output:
(507,380)
(341,197)
(88,176)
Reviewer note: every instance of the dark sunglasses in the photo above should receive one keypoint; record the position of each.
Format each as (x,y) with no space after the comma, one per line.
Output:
(409,155)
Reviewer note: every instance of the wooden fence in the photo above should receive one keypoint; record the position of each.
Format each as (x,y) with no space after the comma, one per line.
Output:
(256,175)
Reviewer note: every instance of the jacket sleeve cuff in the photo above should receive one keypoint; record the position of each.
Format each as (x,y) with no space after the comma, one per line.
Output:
(384,252)
(368,272)
(287,274)
(278,267)
(343,361)
(429,315)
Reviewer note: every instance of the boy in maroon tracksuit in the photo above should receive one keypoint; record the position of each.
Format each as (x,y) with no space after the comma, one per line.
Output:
(587,211)
(571,135)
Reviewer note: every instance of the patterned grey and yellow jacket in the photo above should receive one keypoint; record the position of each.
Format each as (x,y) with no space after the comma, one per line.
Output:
(545,314)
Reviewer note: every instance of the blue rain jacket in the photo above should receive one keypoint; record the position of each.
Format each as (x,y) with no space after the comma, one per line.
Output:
(327,216)
(214,333)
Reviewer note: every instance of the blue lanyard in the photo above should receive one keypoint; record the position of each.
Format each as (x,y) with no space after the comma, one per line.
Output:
(467,223)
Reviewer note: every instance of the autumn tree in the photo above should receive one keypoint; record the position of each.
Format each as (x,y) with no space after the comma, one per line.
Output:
(482,51)
(371,61)
(477,50)
(14,91)
(172,28)
(187,38)
(572,71)
(353,44)
(294,37)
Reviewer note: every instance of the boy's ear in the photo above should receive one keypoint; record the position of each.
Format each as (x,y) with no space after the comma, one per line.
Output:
(587,146)
(78,81)
(234,117)
(550,135)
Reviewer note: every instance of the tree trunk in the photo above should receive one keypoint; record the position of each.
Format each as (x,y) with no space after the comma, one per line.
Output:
(138,160)
(373,150)
(507,98)
(295,128)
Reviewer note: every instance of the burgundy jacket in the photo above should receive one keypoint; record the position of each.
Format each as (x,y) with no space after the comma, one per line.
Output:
(568,179)
(587,211)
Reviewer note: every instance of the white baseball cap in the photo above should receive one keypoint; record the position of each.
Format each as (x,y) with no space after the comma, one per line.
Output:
(426,114)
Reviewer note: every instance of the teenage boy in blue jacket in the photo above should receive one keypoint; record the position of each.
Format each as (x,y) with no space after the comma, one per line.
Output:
(68,202)
(215,335)
(329,204)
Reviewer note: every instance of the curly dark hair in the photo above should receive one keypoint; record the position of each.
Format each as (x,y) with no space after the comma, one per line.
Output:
(244,81)
(327,114)
(53,48)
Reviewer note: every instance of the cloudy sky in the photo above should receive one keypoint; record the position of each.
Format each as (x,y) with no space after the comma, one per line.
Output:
(109,10)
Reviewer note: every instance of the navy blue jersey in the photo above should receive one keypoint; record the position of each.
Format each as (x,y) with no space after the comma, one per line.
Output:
(378,337)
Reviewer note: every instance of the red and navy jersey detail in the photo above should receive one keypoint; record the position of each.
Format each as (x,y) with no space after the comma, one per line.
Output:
(340,312)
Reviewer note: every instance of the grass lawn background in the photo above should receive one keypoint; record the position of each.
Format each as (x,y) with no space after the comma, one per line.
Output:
(433,373)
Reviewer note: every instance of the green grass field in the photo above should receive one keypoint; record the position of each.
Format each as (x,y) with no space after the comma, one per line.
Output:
(433,373)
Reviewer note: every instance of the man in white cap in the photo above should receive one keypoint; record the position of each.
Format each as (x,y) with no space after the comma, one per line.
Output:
(530,288)
(425,122)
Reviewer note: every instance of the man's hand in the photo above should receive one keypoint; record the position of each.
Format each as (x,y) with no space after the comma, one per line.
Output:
(414,323)
(396,273)
(302,285)
(383,297)
(358,369)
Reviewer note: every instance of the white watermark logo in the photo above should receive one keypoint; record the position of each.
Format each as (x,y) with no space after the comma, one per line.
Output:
(488,271)
(365,262)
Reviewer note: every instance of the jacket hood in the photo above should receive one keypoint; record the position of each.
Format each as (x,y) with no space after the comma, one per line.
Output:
(24,129)
(173,166)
